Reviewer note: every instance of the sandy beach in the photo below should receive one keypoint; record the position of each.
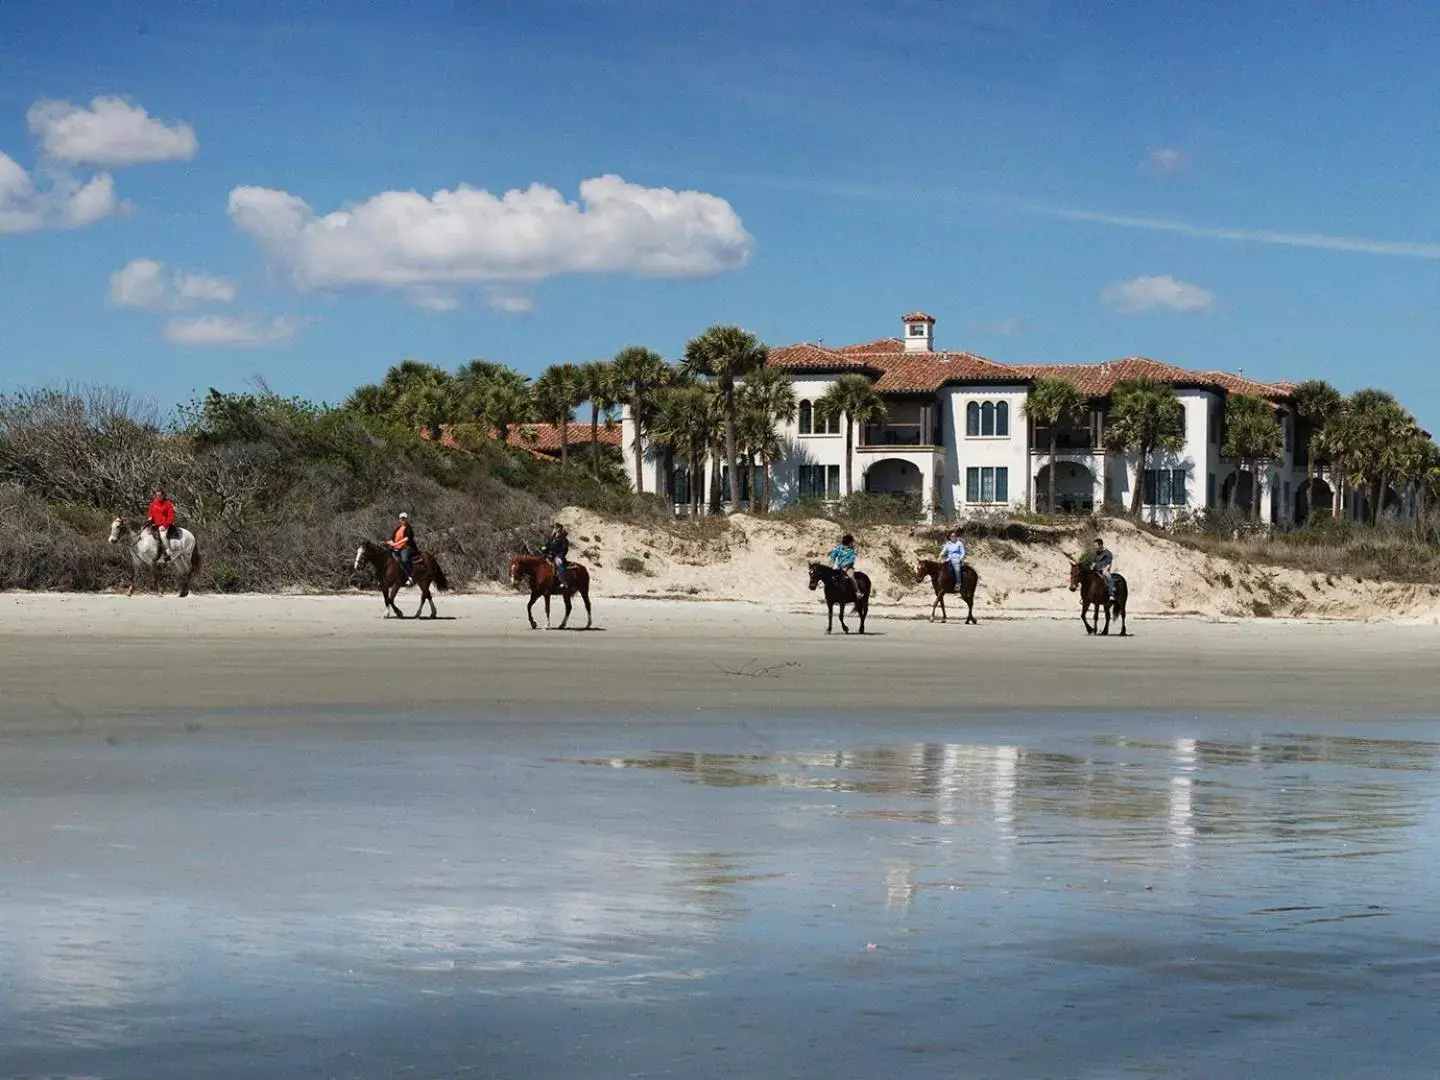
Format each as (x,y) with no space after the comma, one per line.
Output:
(71,661)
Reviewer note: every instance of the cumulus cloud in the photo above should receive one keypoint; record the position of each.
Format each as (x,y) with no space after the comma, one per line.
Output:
(220,330)
(142,283)
(110,132)
(1166,159)
(1143,294)
(59,202)
(399,239)
(508,302)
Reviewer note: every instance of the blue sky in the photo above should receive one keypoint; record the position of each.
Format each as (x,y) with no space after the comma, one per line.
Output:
(1246,186)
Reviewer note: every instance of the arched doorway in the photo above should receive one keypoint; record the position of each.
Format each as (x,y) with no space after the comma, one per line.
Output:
(894,476)
(1242,485)
(1313,498)
(1074,489)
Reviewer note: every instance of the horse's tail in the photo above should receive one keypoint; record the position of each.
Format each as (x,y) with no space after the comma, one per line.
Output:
(195,557)
(441,582)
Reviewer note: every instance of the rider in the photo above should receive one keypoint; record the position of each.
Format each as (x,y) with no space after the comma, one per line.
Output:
(954,553)
(160,521)
(557,548)
(403,545)
(1101,563)
(842,558)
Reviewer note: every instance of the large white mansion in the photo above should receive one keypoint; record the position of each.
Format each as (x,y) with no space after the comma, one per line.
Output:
(957,436)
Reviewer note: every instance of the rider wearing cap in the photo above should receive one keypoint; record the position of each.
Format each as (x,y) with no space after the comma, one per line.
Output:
(403,545)
(842,558)
(558,548)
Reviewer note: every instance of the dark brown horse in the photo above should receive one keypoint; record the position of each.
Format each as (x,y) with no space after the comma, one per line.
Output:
(426,571)
(839,591)
(942,579)
(1093,593)
(541,572)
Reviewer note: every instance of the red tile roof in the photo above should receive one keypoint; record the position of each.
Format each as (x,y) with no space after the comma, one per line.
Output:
(897,371)
(918,316)
(546,437)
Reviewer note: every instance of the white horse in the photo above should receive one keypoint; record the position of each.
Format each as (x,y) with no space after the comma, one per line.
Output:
(182,548)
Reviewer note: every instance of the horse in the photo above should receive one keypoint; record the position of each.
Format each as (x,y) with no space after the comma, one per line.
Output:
(1093,592)
(942,578)
(839,590)
(391,575)
(541,572)
(181,546)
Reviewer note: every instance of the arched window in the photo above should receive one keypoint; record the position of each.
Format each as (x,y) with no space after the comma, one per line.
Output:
(833,427)
(987,418)
(972,419)
(806,417)
(1002,418)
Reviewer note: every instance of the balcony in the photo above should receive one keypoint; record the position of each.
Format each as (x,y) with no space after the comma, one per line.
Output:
(888,436)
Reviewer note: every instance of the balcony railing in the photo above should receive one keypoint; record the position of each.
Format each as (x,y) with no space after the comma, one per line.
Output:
(882,435)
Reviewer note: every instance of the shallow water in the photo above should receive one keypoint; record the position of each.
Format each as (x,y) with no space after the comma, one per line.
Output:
(1034,896)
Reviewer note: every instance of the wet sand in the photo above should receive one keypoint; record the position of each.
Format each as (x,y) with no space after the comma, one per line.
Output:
(69,661)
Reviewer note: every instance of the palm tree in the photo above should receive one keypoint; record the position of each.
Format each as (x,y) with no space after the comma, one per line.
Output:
(1316,402)
(684,425)
(640,374)
(494,396)
(761,445)
(1253,436)
(600,388)
(1145,416)
(726,353)
(768,393)
(557,392)
(853,397)
(1055,401)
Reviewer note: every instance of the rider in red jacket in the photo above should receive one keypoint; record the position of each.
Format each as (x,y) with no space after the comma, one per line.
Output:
(161,516)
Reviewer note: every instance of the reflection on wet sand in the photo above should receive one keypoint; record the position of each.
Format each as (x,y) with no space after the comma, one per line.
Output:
(1138,892)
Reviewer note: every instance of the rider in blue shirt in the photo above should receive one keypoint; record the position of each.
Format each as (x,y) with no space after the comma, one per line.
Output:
(842,558)
(954,553)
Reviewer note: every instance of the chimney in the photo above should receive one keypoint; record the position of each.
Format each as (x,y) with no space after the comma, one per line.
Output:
(919,332)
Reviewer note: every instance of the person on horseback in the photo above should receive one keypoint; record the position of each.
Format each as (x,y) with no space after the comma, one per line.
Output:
(842,558)
(160,521)
(403,545)
(1102,562)
(557,548)
(954,553)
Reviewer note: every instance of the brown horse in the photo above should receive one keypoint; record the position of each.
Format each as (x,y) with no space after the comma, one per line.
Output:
(541,572)
(839,591)
(1093,593)
(942,579)
(426,571)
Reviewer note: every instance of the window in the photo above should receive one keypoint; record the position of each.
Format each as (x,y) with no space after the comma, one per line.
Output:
(987,419)
(917,329)
(807,417)
(1210,490)
(819,482)
(1214,428)
(987,485)
(1164,487)
(832,427)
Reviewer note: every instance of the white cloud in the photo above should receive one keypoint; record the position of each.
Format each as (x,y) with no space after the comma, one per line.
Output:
(1154,294)
(1407,248)
(212,330)
(142,283)
(437,303)
(1166,159)
(110,132)
(508,302)
(403,239)
(61,203)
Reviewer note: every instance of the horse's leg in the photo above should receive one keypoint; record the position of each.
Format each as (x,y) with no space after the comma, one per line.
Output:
(566,597)
(1106,631)
(424,595)
(933,606)
(864,609)
(829,616)
(1120,610)
(155,576)
(547,609)
(843,626)
(585,595)
(1084,608)
(529,610)
(970,608)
